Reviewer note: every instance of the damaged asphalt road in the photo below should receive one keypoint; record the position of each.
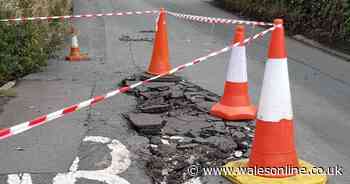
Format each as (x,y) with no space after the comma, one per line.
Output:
(175,118)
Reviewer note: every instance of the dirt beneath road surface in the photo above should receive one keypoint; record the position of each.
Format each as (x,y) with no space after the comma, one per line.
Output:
(174,115)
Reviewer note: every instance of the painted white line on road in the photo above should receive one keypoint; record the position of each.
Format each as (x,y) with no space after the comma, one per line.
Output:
(71,178)
(193,181)
(97,139)
(120,158)
(120,163)
(75,165)
(19,179)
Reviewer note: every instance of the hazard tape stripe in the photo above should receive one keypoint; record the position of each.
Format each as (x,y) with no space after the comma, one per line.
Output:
(24,19)
(5,133)
(213,20)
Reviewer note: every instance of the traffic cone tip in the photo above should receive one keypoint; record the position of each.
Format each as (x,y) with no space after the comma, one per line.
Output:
(277,46)
(239,35)
(278,21)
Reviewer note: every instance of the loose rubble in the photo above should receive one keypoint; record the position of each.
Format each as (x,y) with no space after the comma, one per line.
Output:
(174,115)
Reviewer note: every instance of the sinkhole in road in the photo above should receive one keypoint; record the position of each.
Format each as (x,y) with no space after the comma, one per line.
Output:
(174,115)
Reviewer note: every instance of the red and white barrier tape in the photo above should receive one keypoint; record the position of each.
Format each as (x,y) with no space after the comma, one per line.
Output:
(6,133)
(213,20)
(63,17)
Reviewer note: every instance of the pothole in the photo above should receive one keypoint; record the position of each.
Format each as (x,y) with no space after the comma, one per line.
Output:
(135,38)
(174,115)
(147,31)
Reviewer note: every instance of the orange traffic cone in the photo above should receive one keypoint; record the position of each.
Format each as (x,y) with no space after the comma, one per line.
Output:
(273,144)
(160,56)
(235,103)
(75,54)
(273,157)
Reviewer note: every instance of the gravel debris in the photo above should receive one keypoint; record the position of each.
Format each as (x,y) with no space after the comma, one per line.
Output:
(174,115)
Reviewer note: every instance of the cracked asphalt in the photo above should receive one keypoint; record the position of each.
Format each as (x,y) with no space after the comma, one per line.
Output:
(320,91)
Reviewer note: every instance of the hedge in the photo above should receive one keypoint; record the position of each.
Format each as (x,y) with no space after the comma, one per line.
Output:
(324,20)
(26,47)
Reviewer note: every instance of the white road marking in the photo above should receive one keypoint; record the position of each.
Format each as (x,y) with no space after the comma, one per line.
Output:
(120,163)
(193,181)
(97,139)
(19,179)
(71,178)
(74,166)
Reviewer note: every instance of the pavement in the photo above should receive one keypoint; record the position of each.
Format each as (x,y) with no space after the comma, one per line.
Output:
(81,148)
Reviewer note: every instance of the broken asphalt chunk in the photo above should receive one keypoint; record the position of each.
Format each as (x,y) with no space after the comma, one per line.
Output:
(176,94)
(155,108)
(238,135)
(205,106)
(166,150)
(145,122)
(156,140)
(167,78)
(225,144)
(160,86)
(187,146)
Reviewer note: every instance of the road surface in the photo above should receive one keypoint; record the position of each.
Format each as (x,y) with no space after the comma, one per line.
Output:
(320,90)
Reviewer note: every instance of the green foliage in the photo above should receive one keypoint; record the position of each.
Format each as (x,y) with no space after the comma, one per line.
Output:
(26,47)
(20,50)
(347,19)
(325,20)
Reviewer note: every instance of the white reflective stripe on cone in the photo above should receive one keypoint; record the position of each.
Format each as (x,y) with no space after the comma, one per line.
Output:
(157,20)
(75,42)
(237,67)
(275,99)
